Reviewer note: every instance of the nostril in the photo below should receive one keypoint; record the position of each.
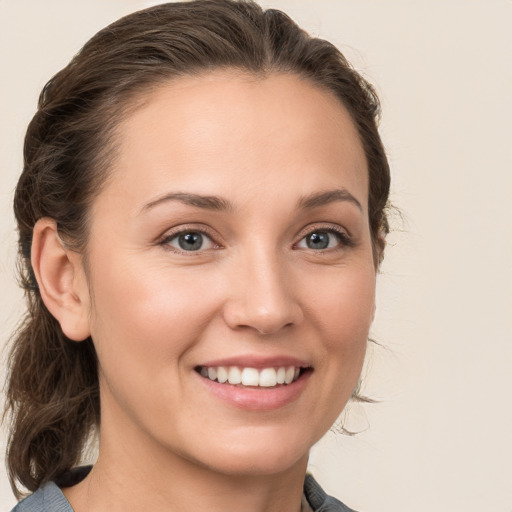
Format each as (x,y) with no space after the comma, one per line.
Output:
(268,332)
(267,320)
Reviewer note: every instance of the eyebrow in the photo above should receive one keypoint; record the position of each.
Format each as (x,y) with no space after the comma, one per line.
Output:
(197,200)
(217,203)
(318,199)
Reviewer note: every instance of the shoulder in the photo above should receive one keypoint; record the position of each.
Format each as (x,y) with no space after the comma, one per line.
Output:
(319,500)
(48,498)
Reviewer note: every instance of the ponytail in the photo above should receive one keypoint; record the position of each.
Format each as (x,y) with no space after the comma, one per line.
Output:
(53,399)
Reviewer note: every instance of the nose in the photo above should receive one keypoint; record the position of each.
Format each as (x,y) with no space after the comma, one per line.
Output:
(261,297)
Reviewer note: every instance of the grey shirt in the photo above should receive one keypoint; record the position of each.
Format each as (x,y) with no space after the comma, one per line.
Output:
(49,497)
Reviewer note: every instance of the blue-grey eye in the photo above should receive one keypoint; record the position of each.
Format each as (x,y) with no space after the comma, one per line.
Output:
(190,241)
(318,240)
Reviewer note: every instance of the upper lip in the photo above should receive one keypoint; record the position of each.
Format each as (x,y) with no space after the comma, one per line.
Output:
(258,362)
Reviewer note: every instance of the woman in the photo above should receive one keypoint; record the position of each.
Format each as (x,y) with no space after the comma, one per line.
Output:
(201,217)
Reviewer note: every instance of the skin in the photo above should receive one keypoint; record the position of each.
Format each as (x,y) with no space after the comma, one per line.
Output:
(155,311)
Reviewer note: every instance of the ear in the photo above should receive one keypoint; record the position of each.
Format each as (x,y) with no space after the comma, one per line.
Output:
(61,279)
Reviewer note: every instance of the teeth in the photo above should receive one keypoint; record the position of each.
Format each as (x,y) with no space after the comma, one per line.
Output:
(222,374)
(212,373)
(265,378)
(290,373)
(235,375)
(250,377)
(268,378)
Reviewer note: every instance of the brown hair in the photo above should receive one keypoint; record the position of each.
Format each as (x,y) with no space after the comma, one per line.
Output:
(52,392)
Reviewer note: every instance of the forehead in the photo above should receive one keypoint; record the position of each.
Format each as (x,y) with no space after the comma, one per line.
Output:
(229,130)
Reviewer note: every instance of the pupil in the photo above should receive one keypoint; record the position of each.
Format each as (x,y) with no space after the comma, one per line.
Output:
(318,241)
(191,241)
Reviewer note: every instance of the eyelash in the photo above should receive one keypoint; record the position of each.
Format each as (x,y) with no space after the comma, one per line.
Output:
(343,237)
(165,241)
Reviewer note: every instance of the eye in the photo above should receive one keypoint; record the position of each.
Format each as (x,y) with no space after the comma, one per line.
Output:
(189,241)
(321,239)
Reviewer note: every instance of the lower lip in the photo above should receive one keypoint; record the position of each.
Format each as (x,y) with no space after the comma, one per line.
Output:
(257,399)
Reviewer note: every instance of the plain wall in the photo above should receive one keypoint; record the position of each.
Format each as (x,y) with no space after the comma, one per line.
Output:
(440,438)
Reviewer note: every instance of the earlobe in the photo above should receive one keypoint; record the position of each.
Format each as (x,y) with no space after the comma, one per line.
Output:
(61,280)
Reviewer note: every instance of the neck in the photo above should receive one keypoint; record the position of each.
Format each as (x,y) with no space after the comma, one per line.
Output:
(143,479)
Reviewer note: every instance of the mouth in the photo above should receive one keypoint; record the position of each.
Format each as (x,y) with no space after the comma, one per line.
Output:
(247,377)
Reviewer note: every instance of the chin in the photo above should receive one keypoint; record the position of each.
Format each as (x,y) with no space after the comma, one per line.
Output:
(260,465)
(260,454)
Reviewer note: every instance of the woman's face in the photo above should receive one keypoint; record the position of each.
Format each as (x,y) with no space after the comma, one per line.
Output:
(231,242)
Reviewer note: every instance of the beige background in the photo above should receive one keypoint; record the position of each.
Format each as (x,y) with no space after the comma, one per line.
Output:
(441,437)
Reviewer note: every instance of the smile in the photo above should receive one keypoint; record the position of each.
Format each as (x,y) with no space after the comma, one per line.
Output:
(252,377)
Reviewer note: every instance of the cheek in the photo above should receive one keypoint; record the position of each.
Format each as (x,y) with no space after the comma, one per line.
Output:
(342,315)
(146,322)
(146,315)
(343,305)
